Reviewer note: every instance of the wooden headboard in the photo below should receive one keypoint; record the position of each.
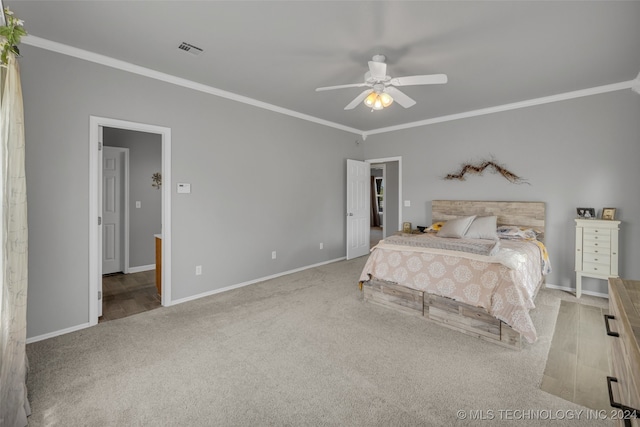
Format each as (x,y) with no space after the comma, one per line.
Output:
(522,214)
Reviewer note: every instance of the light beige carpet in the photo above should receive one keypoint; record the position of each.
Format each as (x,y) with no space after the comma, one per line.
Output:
(303,349)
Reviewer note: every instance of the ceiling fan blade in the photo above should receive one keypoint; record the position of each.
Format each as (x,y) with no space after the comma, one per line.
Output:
(358,99)
(378,70)
(431,79)
(400,97)
(320,89)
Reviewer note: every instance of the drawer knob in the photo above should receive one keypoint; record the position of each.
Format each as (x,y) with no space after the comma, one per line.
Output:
(596,244)
(596,259)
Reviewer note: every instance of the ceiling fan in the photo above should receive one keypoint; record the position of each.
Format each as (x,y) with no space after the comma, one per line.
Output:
(381,89)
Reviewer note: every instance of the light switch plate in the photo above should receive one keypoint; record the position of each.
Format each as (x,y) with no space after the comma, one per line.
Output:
(407,203)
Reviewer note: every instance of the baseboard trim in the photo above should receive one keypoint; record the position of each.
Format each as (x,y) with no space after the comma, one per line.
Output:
(142,268)
(57,333)
(573,291)
(251,282)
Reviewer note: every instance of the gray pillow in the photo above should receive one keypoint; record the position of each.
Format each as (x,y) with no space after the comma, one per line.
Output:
(483,227)
(456,227)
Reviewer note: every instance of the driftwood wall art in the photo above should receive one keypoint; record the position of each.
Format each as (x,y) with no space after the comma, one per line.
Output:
(479,168)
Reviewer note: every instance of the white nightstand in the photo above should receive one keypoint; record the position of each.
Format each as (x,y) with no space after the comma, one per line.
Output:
(596,250)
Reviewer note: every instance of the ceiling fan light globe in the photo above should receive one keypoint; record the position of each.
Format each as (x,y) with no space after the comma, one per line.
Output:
(377,105)
(370,100)
(386,99)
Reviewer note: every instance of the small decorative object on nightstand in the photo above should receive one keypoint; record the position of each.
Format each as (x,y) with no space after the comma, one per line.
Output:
(609,213)
(586,213)
(596,250)
(406,227)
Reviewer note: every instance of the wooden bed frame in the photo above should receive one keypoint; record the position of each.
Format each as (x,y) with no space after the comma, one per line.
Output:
(455,315)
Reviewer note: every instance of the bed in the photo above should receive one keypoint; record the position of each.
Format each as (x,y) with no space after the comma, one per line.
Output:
(485,288)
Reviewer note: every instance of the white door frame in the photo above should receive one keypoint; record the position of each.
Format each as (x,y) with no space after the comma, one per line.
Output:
(95,206)
(399,160)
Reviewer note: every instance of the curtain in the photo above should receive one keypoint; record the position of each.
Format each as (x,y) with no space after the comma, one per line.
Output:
(375,215)
(14,406)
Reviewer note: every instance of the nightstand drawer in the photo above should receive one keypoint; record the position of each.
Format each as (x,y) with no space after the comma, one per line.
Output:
(597,247)
(597,237)
(597,258)
(597,231)
(596,268)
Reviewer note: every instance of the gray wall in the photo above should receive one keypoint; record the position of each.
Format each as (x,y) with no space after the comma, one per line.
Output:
(260,182)
(582,152)
(145,159)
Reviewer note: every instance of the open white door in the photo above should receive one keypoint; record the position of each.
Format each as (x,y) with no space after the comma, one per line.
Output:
(113,160)
(358,205)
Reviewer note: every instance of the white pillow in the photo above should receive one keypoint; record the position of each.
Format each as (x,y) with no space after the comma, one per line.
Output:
(483,227)
(456,227)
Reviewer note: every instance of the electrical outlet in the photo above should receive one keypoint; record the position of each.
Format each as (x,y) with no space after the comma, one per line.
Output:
(198,270)
(321,245)
(273,255)
(138,205)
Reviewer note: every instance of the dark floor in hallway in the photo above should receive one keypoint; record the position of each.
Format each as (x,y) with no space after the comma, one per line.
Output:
(127,294)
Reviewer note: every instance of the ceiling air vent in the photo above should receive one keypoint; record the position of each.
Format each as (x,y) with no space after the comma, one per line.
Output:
(194,50)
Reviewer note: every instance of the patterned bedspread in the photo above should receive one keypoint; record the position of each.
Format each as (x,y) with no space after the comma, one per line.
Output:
(505,284)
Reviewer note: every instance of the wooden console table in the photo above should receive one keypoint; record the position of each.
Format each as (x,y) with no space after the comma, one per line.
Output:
(623,324)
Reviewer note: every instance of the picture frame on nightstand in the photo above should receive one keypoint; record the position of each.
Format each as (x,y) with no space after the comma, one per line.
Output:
(609,213)
(586,213)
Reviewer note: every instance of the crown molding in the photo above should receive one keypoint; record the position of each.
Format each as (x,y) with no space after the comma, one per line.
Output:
(168,78)
(178,81)
(506,107)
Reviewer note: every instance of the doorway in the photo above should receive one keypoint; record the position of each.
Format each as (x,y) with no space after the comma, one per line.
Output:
(129,251)
(377,203)
(96,151)
(388,173)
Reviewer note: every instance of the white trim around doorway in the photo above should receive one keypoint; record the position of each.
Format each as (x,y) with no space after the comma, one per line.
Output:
(95,235)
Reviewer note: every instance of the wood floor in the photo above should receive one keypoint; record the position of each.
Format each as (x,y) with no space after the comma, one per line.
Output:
(578,362)
(376,235)
(127,294)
